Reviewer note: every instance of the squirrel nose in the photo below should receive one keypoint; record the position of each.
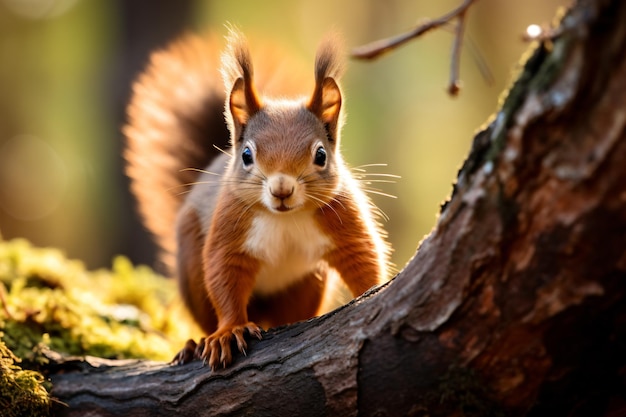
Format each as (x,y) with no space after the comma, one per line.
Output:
(281,188)
(281,192)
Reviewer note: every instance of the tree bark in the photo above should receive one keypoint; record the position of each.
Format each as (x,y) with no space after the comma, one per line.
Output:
(512,306)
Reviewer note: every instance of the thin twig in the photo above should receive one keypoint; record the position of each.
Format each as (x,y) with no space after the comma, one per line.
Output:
(480,61)
(377,48)
(477,57)
(455,64)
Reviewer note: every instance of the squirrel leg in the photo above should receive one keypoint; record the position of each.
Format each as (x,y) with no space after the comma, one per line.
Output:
(190,274)
(356,257)
(190,270)
(359,271)
(229,280)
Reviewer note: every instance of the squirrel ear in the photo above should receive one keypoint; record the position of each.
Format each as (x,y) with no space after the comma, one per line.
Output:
(326,104)
(243,104)
(326,100)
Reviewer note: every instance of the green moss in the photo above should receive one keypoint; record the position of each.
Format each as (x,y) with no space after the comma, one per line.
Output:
(22,392)
(53,302)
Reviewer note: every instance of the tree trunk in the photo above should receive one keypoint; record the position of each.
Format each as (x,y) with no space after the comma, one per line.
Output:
(512,306)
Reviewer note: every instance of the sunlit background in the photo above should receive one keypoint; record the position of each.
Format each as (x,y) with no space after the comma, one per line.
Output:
(66,67)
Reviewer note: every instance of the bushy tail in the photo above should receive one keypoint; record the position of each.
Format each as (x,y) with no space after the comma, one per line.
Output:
(175,117)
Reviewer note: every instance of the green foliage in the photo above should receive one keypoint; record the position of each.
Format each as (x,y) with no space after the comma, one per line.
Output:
(50,302)
(53,302)
(22,392)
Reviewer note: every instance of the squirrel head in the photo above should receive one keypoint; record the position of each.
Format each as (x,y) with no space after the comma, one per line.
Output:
(285,152)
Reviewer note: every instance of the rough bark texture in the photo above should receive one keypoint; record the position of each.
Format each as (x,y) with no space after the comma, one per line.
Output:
(514,305)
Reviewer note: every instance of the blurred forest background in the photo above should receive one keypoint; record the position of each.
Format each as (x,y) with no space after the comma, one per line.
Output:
(67,67)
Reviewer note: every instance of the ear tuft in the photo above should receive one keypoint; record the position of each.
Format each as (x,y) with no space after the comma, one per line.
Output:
(329,58)
(237,72)
(326,100)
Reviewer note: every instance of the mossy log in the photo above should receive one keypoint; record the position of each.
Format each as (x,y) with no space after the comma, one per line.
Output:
(514,305)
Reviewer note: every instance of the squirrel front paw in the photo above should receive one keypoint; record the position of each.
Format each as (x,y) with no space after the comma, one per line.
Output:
(217,346)
(188,353)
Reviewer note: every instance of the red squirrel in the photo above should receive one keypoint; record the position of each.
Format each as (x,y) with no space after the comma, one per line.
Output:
(268,220)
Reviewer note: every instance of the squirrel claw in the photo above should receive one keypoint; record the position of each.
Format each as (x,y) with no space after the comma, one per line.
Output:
(187,354)
(216,349)
(254,330)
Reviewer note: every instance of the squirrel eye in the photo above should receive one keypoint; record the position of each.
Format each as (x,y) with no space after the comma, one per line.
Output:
(246,157)
(320,157)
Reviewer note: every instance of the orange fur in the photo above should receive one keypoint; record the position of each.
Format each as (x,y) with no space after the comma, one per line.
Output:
(259,233)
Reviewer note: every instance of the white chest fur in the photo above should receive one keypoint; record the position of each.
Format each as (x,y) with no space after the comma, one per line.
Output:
(289,245)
